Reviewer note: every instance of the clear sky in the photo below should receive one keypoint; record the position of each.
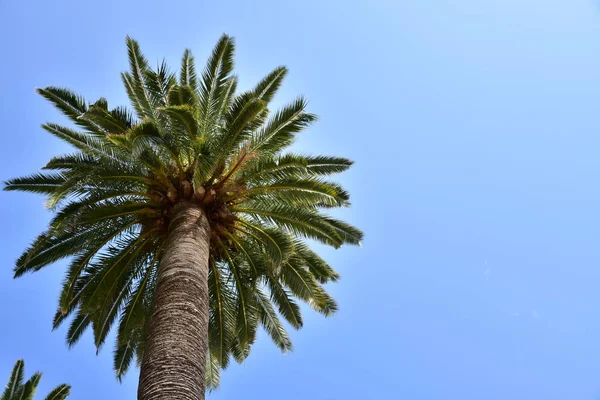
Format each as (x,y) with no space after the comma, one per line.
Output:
(475,130)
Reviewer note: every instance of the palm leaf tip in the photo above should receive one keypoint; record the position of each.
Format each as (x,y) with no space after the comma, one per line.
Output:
(59,393)
(17,389)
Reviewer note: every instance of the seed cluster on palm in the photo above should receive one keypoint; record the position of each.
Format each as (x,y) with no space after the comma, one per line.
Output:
(192,140)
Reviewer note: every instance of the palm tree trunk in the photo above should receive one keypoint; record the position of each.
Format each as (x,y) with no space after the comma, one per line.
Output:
(174,362)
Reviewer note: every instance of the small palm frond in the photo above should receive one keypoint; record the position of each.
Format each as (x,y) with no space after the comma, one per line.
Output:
(271,322)
(221,326)
(16,389)
(213,372)
(188,76)
(59,393)
(267,88)
(71,105)
(135,82)
(27,391)
(213,88)
(15,381)
(279,132)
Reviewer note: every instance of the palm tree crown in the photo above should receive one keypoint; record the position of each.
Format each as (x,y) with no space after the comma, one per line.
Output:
(189,139)
(16,389)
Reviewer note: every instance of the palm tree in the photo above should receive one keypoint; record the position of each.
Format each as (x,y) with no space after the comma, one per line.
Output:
(17,390)
(186,220)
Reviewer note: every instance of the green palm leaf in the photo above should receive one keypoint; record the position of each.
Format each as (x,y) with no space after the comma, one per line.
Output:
(271,323)
(27,391)
(16,389)
(15,381)
(59,393)
(266,88)
(222,316)
(188,70)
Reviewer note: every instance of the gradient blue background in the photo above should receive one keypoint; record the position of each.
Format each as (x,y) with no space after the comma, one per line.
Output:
(475,130)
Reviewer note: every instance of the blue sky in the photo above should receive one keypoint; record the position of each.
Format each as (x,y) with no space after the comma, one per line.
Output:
(475,130)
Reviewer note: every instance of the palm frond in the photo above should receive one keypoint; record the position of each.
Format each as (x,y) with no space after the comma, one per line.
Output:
(268,86)
(213,84)
(94,145)
(30,387)
(296,220)
(47,249)
(294,165)
(245,115)
(247,315)
(59,393)
(159,83)
(135,81)
(279,132)
(99,115)
(188,76)
(221,324)
(72,162)
(286,305)
(77,327)
(315,264)
(213,368)
(275,243)
(16,389)
(15,381)
(122,357)
(184,115)
(271,323)
(70,104)
(36,183)
(311,192)
(304,286)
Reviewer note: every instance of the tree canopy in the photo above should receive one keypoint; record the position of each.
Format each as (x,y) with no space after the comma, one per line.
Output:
(189,137)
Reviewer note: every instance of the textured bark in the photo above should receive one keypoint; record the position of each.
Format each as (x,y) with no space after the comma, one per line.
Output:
(174,362)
